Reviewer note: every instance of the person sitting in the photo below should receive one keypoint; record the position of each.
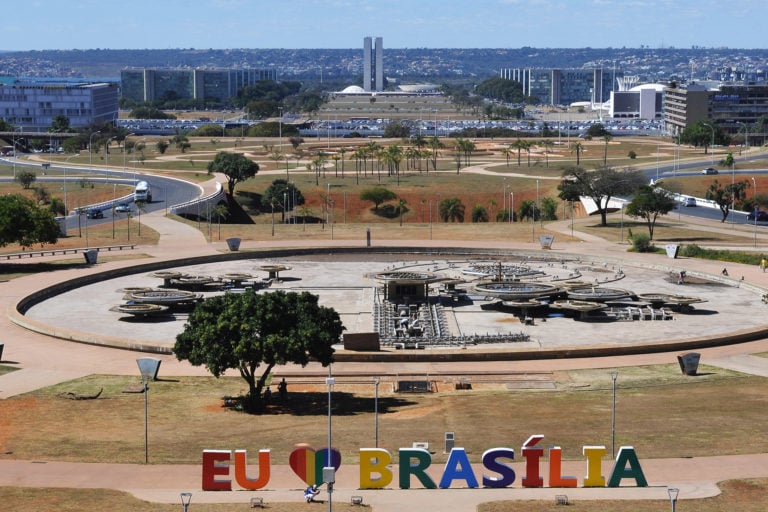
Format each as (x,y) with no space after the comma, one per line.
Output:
(310,493)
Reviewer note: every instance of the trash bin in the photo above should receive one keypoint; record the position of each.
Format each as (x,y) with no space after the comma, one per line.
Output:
(689,363)
(91,256)
(450,440)
(233,244)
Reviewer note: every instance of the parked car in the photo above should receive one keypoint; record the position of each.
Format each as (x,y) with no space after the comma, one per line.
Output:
(123,208)
(709,170)
(94,213)
(690,201)
(758,215)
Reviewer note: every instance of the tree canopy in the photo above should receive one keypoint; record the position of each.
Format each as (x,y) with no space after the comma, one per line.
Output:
(23,222)
(726,196)
(508,91)
(599,185)
(650,202)
(702,134)
(247,331)
(234,166)
(281,194)
(377,195)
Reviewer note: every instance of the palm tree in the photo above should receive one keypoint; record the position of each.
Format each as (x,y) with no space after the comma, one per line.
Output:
(519,145)
(527,147)
(400,208)
(451,209)
(607,138)
(506,152)
(578,147)
(221,211)
(434,145)
(342,151)
(547,144)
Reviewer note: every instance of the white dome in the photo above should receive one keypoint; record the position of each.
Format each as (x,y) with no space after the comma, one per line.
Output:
(353,89)
(657,87)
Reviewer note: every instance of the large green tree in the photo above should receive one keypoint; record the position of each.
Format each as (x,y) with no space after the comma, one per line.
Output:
(702,134)
(251,331)
(235,167)
(281,194)
(599,185)
(24,223)
(650,202)
(726,196)
(377,195)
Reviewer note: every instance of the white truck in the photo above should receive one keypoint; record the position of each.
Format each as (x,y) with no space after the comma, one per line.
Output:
(143,192)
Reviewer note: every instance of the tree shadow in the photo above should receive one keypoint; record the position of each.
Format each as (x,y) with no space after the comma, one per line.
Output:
(316,404)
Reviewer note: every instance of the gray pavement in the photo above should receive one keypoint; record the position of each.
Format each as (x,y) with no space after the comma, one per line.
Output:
(44,361)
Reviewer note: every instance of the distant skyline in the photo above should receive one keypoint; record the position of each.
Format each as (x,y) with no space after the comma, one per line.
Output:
(221,24)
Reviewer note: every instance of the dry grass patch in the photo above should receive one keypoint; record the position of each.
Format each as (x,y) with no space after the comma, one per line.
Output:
(689,416)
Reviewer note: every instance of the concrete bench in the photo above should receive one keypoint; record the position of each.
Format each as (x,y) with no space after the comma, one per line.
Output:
(356,500)
(257,502)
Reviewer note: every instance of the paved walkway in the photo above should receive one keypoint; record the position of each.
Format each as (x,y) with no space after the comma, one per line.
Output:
(44,361)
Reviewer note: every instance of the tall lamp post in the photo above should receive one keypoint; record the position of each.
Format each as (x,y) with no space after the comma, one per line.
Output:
(90,148)
(329,475)
(186,497)
(125,141)
(754,185)
(106,159)
(614,376)
(376,381)
(712,144)
(148,366)
(673,492)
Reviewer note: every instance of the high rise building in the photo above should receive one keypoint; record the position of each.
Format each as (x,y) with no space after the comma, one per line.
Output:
(373,65)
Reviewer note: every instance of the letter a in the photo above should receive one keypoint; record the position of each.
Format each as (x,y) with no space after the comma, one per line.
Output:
(458,468)
(626,456)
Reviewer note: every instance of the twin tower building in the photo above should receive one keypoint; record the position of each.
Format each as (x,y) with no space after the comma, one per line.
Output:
(373,64)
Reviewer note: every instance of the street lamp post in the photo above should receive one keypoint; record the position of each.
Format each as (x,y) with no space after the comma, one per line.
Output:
(328,471)
(125,141)
(754,185)
(376,381)
(90,148)
(106,159)
(673,492)
(712,144)
(511,207)
(614,376)
(186,497)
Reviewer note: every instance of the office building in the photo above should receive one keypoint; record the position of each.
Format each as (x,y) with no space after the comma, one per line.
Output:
(373,65)
(552,86)
(34,106)
(732,108)
(150,84)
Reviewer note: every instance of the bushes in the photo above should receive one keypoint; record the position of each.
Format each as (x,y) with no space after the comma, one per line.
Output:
(642,243)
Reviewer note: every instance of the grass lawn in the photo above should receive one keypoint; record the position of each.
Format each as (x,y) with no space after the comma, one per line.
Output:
(689,416)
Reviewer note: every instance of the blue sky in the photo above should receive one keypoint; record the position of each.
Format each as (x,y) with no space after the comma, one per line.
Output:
(86,24)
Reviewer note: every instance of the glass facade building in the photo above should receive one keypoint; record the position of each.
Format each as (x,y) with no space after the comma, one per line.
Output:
(553,86)
(150,84)
(34,106)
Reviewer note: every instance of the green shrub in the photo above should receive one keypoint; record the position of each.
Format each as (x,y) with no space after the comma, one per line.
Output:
(632,155)
(642,243)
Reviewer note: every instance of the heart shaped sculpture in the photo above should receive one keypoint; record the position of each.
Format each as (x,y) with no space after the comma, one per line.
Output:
(308,463)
